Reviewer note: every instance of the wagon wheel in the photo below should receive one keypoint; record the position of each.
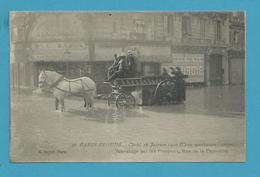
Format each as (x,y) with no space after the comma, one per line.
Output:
(125,100)
(165,92)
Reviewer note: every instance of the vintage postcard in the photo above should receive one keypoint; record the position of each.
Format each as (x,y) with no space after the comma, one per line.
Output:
(127,86)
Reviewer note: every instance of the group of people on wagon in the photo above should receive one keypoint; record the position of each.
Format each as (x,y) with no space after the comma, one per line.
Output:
(124,66)
(175,72)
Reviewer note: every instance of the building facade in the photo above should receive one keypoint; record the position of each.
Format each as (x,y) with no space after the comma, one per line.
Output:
(236,51)
(84,44)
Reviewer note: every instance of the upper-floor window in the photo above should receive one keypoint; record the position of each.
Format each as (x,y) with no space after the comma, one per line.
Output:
(218,30)
(235,39)
(114,26)
(139,26)
(169,23)
(186,26)
(138,30)
(202,28)
(19,33)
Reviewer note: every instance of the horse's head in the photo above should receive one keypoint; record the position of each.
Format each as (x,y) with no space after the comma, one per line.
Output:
(42,79)
(48,78)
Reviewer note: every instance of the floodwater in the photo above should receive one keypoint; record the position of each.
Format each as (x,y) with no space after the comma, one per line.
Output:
(210,115)
(215,100)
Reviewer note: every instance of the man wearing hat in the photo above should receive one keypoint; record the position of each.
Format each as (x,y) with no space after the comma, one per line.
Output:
(113,67)
(118,68)
(130,64)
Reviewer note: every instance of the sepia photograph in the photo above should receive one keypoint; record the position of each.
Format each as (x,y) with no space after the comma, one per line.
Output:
(112,86)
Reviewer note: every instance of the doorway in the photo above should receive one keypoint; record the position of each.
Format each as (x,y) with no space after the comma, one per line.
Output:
(216,70)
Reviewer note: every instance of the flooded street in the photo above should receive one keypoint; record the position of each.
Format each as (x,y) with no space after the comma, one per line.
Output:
(209,126)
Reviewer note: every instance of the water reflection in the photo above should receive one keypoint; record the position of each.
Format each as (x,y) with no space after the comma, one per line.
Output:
(107,114)
(217,100)
(115,116)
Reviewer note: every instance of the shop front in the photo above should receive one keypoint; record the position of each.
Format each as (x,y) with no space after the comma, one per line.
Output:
(191,65)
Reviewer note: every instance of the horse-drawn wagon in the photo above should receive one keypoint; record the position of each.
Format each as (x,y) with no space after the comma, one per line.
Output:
(127,92)
(128,89)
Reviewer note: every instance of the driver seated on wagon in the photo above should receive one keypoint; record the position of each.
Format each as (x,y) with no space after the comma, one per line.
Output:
(113,67)
(117,69)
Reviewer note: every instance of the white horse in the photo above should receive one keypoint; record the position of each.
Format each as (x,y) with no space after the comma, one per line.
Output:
(81,87)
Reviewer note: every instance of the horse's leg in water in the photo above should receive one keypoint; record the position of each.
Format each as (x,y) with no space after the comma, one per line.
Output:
(85,102)
(59,95)
(56,103)
(86,105)
(90,101)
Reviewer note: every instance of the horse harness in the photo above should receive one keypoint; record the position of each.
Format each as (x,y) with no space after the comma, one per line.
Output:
(55,84)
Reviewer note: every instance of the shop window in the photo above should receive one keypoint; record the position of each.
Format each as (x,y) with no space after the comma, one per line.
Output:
(79,69)
(150,69)
(61,67)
